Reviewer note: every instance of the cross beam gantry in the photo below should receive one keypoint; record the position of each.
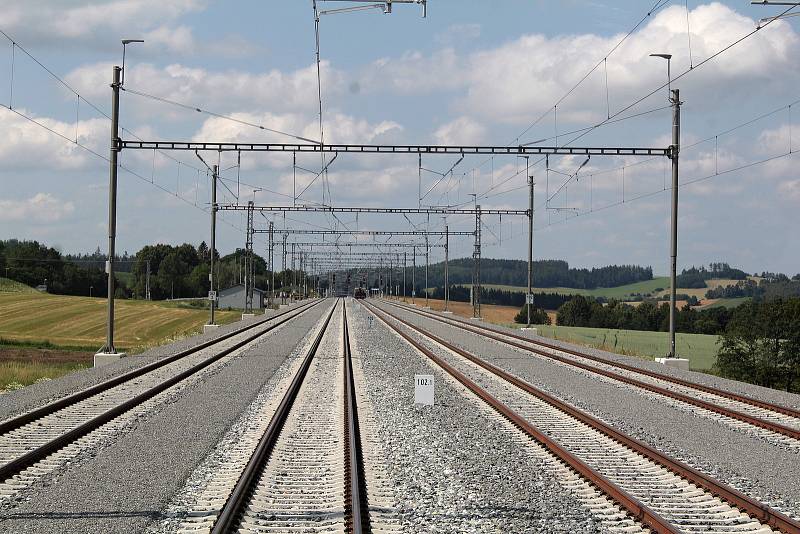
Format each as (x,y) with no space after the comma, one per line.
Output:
(526,150)
(367,232)
(398,211)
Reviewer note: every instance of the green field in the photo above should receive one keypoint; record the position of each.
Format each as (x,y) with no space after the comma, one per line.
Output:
(12,286)
(700,349)
(646,287)
(66,321)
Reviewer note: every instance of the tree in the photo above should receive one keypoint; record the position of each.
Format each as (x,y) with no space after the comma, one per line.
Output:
(761,344)
(576,312)
(171,273)
(538,315)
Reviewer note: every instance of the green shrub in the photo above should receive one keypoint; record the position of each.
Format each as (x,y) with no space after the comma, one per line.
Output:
(538,315)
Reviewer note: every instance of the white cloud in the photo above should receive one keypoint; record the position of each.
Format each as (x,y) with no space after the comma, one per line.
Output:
(221,91)
(177,40)
(42,207)
(463,130)
(518,81)
(27,146)
(339,128)
(790,189)
(96,23)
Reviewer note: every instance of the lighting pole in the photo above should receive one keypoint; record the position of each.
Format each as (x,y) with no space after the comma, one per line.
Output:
(674,98)
(212,294)
(112,195)
(112,207)
(676,146)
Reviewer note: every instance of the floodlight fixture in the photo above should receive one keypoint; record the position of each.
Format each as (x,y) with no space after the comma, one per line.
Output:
(125,43)
(668,57)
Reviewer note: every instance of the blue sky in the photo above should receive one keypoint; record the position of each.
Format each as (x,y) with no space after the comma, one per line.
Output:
(470,73)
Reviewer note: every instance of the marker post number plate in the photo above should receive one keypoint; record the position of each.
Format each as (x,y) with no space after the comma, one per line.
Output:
(423,389)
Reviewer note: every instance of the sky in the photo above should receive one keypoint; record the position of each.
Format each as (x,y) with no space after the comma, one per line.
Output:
(572,73)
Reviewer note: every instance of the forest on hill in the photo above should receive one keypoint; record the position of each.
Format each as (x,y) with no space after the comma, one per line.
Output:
(547,273)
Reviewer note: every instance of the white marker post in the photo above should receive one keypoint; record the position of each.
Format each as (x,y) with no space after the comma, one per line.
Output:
(423,389)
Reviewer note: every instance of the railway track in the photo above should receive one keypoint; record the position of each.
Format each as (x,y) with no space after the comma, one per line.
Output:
(780,424)
(662,494)
(306,472)
(29,442)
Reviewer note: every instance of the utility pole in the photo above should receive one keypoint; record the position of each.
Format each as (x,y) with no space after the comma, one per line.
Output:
(675,151)
(294,271)
(529,297)
(414,275)
(446,259)
(212,293)
(283,263)
(427,261)
(112,209)
(271,263)
(147,282)
(248,261)
(405,259)
(476,266)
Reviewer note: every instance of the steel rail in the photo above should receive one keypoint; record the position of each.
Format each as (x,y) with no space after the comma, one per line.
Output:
(356,506)
(630,504)
(231,511)
(753,508)
(28,417)
(31,457)
(728,412)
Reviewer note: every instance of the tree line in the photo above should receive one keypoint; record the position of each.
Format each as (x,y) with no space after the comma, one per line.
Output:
(587,311)
(765,289)
(500,297)
(33,264)
(547,273)
(695,278)
(175,271)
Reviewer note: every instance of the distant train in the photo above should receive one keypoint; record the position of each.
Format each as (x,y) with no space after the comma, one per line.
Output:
(360,293)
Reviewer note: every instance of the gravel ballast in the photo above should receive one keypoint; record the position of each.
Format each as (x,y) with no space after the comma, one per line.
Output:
(776,396)
(761,470)
(40,393)
(124,485)
(453,466)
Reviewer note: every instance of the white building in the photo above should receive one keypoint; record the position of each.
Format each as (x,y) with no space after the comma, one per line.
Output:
(234,297)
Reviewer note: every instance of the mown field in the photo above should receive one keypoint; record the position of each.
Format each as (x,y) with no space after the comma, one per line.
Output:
(66,321)
(45,336)
(725,303)
(490,312)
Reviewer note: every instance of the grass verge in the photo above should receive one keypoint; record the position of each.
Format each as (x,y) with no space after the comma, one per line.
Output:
(699,349)
(15,374)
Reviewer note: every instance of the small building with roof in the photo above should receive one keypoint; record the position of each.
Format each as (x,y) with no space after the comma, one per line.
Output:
(234,298)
